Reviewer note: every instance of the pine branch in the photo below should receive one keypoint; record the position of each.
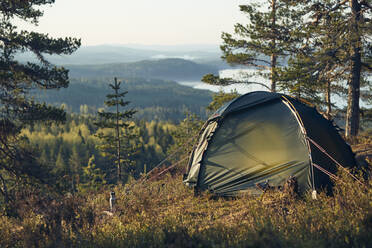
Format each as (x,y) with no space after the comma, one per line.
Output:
(367,66)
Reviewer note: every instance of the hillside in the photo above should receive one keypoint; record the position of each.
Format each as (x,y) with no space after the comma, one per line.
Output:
(165,213)
(154,99)
(168,69)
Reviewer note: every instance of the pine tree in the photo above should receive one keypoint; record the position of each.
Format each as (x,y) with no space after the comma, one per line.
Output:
(17,79)
(316,71)
(116,142)
(355,39)
(262,43)
(359,30)
(344,51)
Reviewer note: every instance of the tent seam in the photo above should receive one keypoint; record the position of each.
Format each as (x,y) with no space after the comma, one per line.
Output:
(218,121)
(294,111)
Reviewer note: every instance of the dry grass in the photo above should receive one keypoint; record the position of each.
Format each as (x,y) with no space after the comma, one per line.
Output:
(165,213)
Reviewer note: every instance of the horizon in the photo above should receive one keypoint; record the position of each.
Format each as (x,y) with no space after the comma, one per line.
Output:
(155,45)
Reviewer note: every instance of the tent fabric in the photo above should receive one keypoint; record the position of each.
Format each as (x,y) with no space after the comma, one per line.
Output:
(261,137)
(198,153)
(323,132)
(255,98)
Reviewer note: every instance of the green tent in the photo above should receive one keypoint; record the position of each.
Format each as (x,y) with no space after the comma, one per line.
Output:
(264,138)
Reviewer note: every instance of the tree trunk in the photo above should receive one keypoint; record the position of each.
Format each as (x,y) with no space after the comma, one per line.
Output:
(4,190)
(72,184)
(328,100)
(273,46)
(352,114)
(118,145)
(273,73)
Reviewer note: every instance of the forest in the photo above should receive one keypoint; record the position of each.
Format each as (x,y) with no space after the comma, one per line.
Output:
(154,99)
(167,69)
(94,155)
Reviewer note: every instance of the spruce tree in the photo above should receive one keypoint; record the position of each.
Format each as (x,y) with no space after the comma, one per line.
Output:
(116,141)
(75,168)
(61,172)
(92,177)
(18,79)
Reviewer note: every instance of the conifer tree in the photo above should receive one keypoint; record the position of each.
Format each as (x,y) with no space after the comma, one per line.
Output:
(315,72)
(61,171)
(75,168)
(116,142)
(263,43)
(186,131)
(17,79)
(341,41)
(359,30)
(93,177)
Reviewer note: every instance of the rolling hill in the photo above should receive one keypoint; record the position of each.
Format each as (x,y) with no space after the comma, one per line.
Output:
(154,99)
(168,69)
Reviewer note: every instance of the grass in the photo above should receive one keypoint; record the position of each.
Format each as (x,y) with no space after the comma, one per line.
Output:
(165,213)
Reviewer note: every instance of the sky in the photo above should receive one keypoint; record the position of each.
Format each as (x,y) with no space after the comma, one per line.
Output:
(148,22)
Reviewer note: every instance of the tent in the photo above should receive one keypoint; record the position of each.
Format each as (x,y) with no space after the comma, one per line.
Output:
(264,138)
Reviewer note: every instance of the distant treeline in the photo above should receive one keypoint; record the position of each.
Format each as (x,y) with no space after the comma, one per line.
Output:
(168,69)
(153,99)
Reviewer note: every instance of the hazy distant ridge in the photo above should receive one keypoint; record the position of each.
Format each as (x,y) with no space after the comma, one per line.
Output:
(169,69)
(105,54)
(154,99)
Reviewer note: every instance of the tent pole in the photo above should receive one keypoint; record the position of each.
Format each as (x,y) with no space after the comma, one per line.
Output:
(303,130)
